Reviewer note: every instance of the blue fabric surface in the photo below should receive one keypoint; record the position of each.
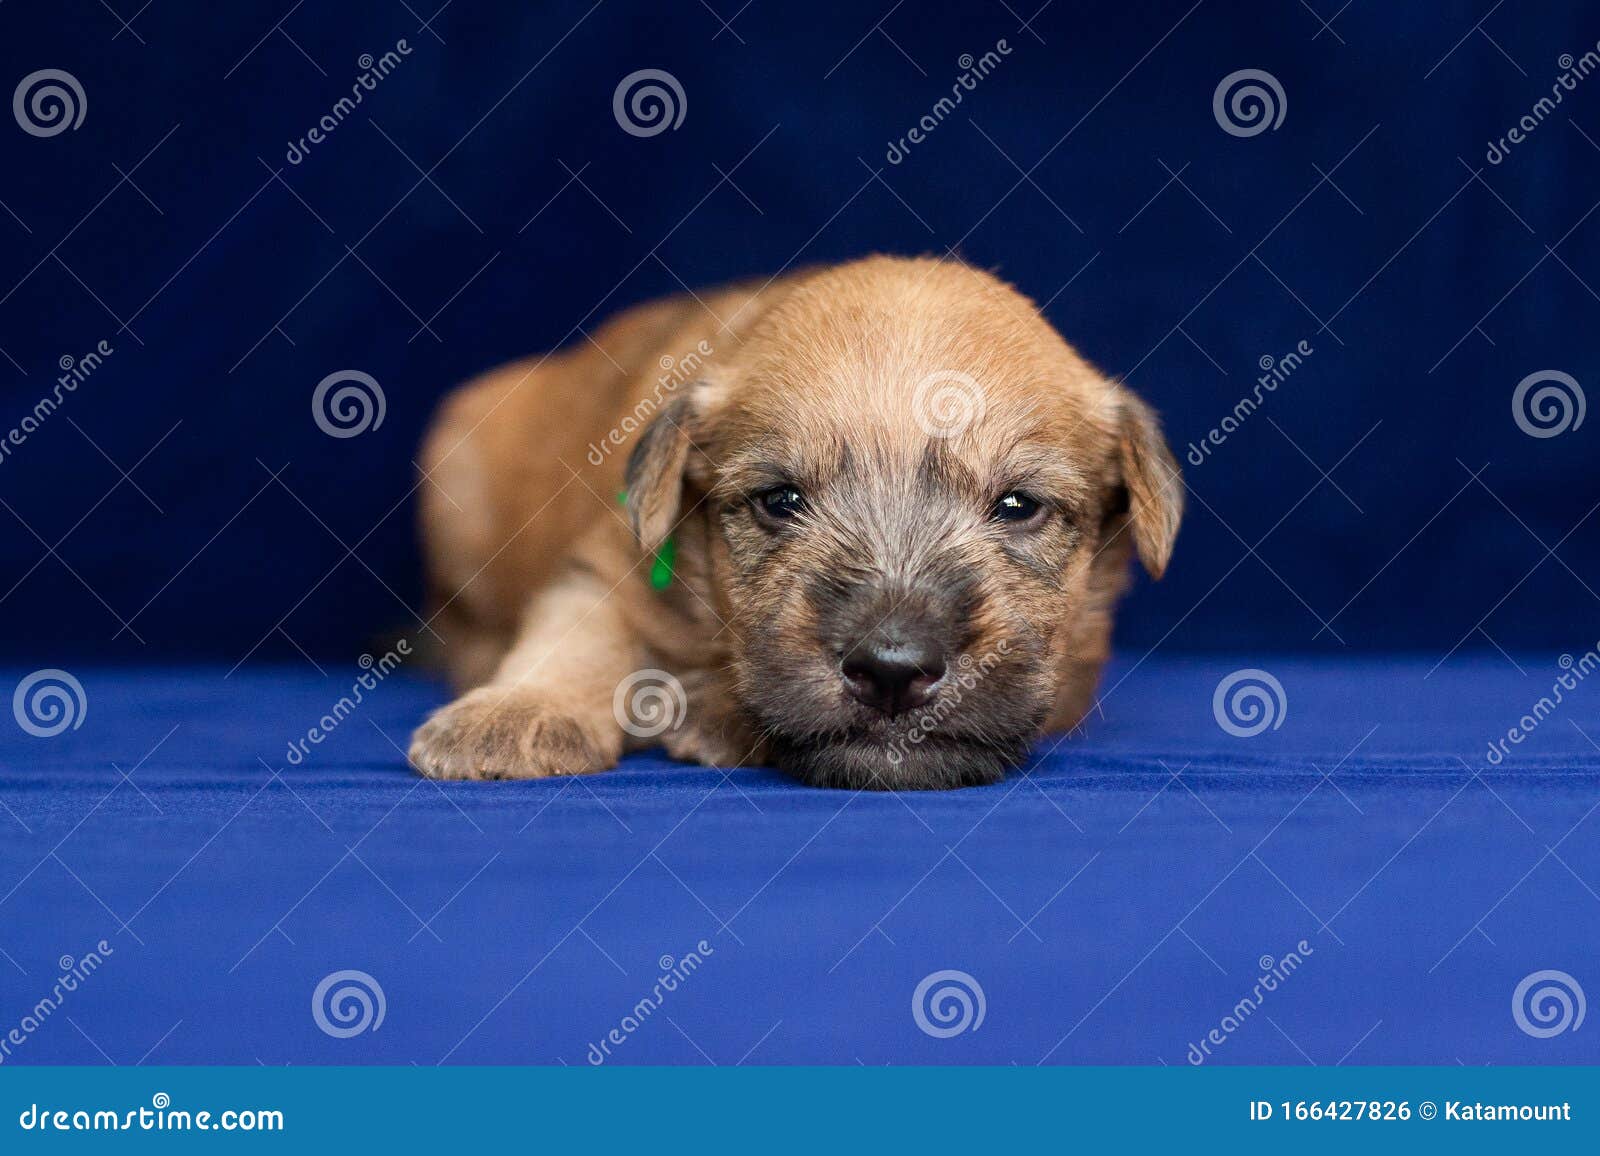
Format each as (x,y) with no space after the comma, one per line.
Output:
(1109,911)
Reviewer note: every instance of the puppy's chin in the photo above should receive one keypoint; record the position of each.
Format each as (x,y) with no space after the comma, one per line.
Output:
(863,764)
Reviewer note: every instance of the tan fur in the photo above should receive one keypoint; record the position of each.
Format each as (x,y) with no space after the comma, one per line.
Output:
(539,578)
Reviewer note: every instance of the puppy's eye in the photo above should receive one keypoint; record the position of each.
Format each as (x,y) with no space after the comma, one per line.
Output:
(1015,507)
(781,502)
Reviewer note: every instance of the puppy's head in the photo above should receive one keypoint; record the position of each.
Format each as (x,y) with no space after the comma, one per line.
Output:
(919,505)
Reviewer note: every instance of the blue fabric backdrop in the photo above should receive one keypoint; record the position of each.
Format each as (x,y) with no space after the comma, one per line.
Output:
(1114,904)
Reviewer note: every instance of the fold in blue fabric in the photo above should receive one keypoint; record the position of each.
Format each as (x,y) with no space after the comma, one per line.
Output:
(1359,881)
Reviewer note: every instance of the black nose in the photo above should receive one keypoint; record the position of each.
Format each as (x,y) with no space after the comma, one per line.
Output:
(893,677)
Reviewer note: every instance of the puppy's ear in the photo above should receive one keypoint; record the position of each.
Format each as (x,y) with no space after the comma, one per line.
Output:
(1153,482)
(654,473)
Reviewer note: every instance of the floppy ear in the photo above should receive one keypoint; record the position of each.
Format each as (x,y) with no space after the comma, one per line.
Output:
(654,473)
(1154,484)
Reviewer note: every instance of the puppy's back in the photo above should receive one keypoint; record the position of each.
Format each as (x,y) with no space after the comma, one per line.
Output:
(512,477)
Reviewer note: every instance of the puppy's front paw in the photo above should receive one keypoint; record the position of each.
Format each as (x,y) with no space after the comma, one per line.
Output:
(492,733)
(715,740)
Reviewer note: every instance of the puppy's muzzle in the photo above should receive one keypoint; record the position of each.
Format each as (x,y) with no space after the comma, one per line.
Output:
(894,671)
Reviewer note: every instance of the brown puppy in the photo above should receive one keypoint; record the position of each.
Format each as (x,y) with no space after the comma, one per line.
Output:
(876,519)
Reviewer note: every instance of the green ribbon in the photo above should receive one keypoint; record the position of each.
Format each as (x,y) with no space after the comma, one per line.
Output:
(661,568)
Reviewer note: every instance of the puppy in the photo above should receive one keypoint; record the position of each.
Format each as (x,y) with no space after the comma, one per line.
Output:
(865,522)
